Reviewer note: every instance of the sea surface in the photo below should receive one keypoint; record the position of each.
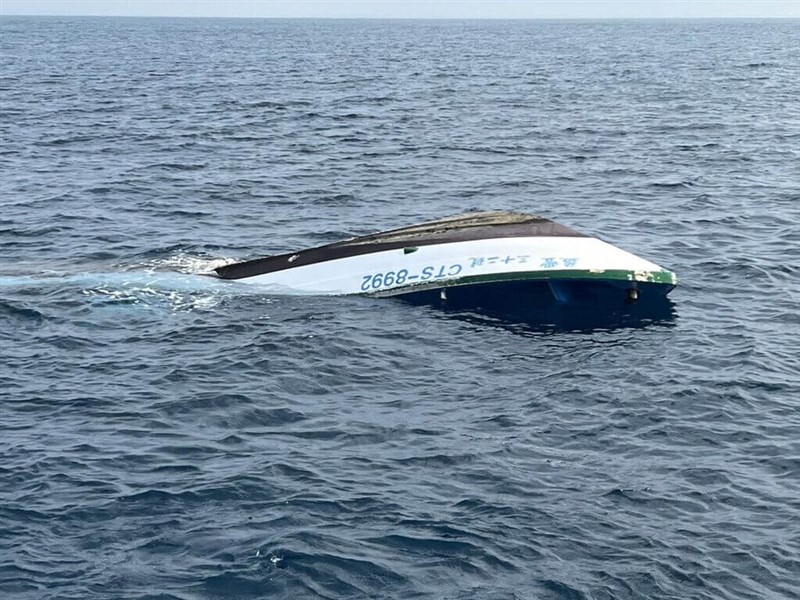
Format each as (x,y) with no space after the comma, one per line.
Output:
(168,435)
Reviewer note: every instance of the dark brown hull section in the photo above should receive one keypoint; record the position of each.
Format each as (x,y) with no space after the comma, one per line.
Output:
(469,227)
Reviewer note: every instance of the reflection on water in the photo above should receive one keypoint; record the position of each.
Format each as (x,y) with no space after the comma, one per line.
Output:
(576,319)
(526,307)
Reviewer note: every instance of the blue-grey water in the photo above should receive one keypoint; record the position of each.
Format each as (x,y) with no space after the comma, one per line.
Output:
(166,435)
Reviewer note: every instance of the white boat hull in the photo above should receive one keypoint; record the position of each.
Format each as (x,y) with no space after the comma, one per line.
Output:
(411,269)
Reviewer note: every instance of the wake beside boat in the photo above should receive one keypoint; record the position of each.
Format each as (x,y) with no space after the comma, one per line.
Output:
(471,254)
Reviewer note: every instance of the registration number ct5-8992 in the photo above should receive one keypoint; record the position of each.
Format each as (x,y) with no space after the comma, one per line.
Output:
(377,281)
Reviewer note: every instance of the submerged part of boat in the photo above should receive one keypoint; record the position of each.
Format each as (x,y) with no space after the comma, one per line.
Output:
(485,253)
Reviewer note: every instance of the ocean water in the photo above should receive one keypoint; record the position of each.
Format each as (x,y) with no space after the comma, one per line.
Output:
(168,435)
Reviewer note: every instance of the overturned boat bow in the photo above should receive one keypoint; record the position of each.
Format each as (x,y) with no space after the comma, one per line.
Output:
(463,254)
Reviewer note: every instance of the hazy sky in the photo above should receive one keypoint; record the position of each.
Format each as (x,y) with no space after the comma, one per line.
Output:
(409,8)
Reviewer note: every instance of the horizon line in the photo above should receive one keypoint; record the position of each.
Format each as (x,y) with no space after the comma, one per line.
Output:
(396,18)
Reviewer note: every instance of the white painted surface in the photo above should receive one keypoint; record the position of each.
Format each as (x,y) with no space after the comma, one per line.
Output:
(443,264)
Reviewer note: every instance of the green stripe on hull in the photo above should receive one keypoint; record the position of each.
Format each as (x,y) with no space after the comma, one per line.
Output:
(665,277)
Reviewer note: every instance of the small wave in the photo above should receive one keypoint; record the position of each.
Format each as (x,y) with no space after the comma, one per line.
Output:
(65,140)
(671,184)
(758,65)
(267,104)
(177,166)
(563,590)
(20,312)
(336,199)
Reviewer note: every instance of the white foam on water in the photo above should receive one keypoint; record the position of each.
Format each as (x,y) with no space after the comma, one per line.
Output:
(179,283)
(184,262)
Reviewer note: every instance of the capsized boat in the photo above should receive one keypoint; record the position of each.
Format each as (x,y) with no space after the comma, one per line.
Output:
(465,254)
